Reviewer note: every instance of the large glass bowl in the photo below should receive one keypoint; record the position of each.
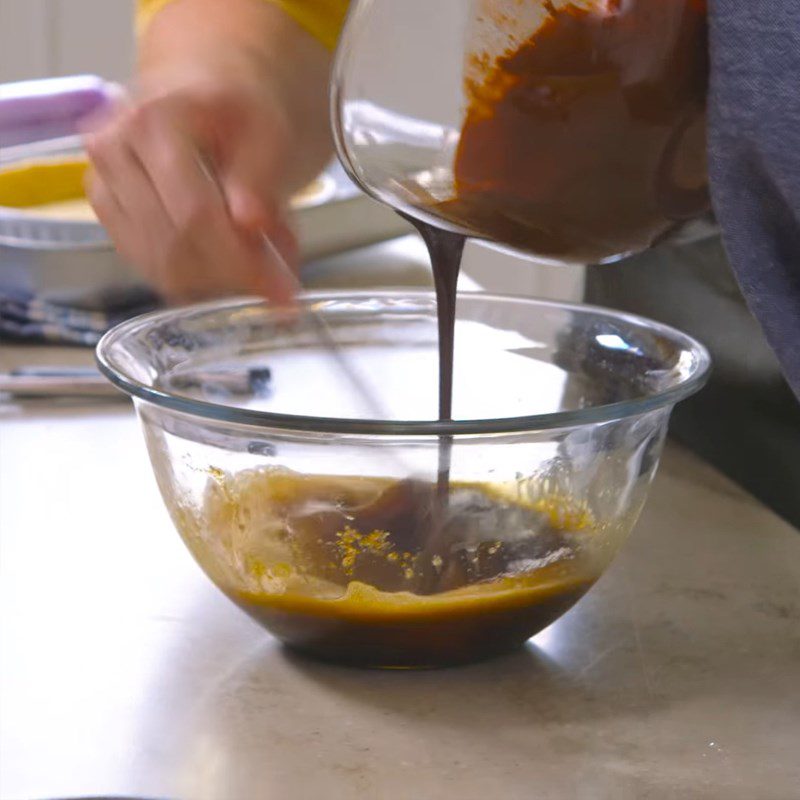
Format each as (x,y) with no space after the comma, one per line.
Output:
(340,533)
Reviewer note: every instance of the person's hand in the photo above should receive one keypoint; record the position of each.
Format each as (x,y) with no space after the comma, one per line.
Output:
(189,175)
(229,117)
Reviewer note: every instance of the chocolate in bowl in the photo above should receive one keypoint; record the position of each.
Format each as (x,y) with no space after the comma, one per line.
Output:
(325,525)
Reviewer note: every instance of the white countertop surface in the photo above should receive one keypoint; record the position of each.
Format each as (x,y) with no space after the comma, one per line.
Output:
(124,672)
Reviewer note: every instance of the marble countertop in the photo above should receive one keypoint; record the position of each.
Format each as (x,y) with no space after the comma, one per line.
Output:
(124,672)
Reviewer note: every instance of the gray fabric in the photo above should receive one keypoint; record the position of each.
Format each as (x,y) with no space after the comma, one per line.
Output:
(754,149)
(746,421)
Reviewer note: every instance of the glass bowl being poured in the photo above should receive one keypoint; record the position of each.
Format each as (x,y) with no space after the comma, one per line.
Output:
(340,533)
(572,130)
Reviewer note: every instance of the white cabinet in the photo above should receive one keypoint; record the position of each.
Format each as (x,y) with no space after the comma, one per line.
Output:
(501,273)
(40,38)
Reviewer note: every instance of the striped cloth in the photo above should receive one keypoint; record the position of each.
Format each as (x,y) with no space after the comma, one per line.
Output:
(27,318)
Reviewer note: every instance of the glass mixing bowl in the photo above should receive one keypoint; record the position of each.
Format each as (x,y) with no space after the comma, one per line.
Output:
(341,534)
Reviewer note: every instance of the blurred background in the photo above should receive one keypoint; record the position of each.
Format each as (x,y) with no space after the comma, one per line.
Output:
(44,38)
(47,38)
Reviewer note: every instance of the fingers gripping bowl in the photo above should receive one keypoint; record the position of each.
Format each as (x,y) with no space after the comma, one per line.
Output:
(330,528)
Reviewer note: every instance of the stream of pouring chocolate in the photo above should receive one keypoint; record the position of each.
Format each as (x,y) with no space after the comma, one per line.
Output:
(584,142)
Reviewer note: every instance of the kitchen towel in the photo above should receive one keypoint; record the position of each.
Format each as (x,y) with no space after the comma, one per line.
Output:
(24,317)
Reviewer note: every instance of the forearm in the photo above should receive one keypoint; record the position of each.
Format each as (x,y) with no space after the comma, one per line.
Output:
(250,40)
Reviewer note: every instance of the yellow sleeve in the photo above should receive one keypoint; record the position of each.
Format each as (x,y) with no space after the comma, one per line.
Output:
(146,10)
(323,19)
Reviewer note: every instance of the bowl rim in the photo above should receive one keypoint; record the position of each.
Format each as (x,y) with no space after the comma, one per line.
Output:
(359,426)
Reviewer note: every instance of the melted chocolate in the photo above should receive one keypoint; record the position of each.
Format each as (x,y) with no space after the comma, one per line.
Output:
(587,141)
(505,569)
(445,250)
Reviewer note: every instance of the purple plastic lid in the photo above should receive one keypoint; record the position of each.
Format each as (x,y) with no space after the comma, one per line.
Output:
(36,111)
